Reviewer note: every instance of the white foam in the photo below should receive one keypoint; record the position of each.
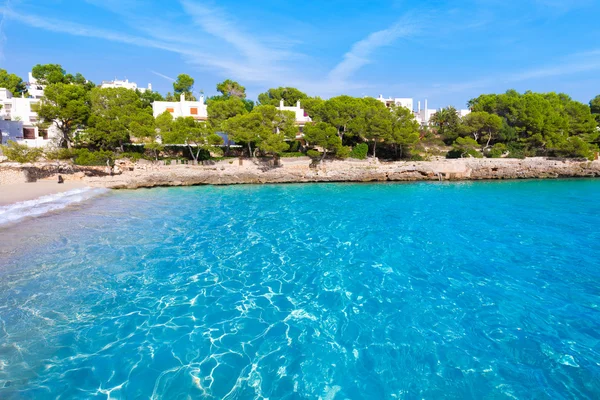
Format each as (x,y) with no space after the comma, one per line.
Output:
(42,205)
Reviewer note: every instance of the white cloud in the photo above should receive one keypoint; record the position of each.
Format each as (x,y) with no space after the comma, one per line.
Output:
(573,64)
(361,51)
(3,39)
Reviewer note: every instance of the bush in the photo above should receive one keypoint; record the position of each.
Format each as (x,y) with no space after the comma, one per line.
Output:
(294,146)
(343,152)
(21,153)
(314,154)
(464,147)
(59,154)
(573,147)
(293,154)
(497,150)
(360,151)
(133,156)
(87,157)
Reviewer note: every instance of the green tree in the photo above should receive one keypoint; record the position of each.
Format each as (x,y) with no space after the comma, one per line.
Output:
(148,97)
(244,128)
(405,130)
(289,95)
(266,127)
(47,74)
(67,106)
(377,123)
(483,126)
(323,135)
(313,106)
(229,88)
(221,110)
(447,123)
(345,113)
(197,136)
(117,114)
(184,84)
(465,146)
(13,83)
(595,108)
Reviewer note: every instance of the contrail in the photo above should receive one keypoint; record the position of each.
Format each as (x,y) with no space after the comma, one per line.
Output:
(163,76)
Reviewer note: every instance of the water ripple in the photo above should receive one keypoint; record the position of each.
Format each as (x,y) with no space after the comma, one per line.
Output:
(476,290)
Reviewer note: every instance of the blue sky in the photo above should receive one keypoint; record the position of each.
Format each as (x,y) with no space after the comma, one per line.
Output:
(445,51)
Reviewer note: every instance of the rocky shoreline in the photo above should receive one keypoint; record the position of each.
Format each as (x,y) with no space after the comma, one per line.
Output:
(127,175)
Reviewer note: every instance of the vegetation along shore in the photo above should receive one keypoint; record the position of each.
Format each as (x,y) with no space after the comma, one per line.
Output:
(110,137)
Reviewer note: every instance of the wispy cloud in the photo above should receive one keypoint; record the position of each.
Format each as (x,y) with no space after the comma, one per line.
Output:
(2,22)
(360,53)
(573,64)
(163,76)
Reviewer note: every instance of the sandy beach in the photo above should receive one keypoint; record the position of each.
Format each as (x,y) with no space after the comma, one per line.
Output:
(18,192)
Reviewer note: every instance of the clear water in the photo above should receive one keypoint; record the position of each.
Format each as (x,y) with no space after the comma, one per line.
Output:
(368,291)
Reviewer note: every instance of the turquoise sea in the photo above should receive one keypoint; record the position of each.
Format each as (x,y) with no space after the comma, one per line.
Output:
(484,290)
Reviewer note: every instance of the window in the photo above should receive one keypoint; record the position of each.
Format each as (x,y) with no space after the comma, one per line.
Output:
(33,120)
(194,111)
(28,133)
(171,110)
(43,133)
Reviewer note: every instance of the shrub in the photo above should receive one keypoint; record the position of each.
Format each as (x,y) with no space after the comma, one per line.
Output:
(343,152)
(360,151)
(294,146)
(314,154)
(573,147)
(87,157)
(133,156)
(59,154)
(497,150)
(293,154)
(21,153)
(464,147)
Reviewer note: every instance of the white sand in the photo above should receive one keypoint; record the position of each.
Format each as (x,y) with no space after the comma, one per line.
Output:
(17,192)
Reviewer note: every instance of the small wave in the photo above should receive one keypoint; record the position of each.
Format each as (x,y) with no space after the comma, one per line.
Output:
(44,204)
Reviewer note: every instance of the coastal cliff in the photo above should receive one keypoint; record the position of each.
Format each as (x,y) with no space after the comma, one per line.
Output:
(299,170)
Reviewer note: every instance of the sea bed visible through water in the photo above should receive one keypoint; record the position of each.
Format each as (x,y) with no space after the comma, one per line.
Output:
(423,290)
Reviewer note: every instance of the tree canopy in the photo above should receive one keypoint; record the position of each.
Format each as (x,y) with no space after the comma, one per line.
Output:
(12,82)
(289,95)
(229,88)
(184,84)
(67,106)
(117,114)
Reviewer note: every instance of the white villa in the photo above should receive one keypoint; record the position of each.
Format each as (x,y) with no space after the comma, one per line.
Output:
(182,108)
(20,109)
(302,117)
(35,89)
(398,101)
(124,84)
(423,116)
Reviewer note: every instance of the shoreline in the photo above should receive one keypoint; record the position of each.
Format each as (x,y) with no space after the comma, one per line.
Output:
(16,178)
(20,192)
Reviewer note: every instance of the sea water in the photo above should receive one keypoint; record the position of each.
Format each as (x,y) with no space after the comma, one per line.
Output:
(346,291)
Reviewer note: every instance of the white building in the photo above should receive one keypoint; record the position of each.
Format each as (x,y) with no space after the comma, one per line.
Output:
(124,84)
(398,101)
(182,108)
(35,89)
(22,109)
(424,115)
(302,117)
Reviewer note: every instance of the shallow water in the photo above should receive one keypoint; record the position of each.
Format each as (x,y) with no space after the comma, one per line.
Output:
(425,290)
